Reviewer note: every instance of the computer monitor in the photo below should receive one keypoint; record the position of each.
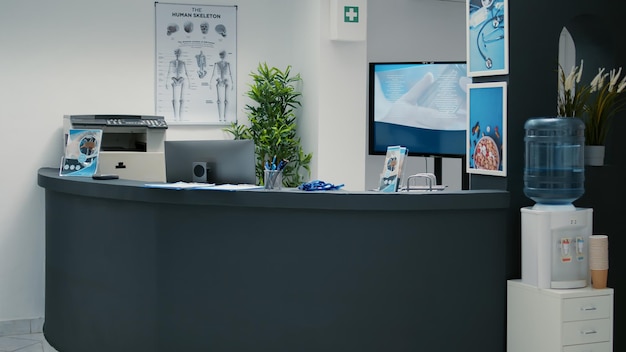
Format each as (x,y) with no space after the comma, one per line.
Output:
(212,161)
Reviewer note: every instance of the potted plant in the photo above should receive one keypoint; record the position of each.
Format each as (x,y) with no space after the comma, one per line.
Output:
(273,123)
(572,95)
(596,103)
(606,101)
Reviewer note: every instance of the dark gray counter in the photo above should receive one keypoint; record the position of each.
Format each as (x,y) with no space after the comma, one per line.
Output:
(130,268)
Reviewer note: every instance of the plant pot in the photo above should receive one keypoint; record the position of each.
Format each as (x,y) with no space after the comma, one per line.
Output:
(594,155)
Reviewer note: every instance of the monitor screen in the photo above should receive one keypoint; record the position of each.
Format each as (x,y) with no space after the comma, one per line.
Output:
(419,105)
(228,161)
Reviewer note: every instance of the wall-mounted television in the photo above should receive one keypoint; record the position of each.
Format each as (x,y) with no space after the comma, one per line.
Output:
(419,105)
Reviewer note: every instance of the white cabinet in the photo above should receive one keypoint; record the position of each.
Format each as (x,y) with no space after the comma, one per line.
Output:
(550,320)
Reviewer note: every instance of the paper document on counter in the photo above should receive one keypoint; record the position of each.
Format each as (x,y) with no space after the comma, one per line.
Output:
(199,185)
(229,187)
(181,185)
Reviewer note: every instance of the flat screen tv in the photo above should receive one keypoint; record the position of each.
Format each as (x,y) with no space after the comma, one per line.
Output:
(227,161)
(419,105)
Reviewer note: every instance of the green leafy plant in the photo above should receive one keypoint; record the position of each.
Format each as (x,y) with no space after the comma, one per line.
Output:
(272,121)
(595,103)
(606,101)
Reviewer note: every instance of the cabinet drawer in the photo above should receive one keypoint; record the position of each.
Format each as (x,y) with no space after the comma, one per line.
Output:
(586,331)
(584,308)
(591,347)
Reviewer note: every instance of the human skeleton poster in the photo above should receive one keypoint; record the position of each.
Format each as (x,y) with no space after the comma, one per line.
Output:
(196,71)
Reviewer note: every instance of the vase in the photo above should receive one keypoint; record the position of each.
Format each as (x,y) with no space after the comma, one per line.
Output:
(594,155)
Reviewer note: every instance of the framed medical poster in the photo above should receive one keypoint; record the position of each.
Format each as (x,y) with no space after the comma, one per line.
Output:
(195,61)
(486,129)
(487,38)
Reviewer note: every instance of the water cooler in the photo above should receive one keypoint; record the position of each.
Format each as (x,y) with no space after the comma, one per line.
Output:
(555,233)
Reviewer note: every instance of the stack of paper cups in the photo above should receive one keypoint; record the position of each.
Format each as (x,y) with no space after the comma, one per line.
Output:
(599,260)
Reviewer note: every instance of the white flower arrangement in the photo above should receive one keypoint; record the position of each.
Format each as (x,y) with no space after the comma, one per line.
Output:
(595,103)
(572,96)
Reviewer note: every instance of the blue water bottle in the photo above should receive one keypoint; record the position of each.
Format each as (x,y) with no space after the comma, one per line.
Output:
(554,172)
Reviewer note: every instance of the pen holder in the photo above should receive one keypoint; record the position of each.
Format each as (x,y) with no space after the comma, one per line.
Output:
(273,179)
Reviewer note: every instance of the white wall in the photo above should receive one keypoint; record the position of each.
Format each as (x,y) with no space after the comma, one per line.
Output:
(97,57)
(87,56)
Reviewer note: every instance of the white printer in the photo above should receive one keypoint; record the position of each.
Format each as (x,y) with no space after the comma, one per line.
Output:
(132,145)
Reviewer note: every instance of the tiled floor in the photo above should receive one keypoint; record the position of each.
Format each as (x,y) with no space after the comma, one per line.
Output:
(25,343)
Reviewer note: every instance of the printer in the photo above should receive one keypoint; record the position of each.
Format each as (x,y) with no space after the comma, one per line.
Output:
(132,146)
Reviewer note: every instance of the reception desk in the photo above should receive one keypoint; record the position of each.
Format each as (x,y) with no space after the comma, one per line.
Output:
(130,268)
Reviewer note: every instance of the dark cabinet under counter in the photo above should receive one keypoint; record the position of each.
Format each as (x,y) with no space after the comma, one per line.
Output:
(130,268)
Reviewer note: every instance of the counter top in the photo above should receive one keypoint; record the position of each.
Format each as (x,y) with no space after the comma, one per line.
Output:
(121,189)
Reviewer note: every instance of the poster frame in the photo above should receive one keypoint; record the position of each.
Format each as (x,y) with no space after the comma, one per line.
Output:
(486,126)
(196,63)
(487,19)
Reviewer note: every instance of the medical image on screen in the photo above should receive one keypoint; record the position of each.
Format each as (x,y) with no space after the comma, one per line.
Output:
(420,105)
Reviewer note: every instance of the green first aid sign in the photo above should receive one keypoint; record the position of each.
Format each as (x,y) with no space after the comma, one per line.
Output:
(348,20)
(351,14)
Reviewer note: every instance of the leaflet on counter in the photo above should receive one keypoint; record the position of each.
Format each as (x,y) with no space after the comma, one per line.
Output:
(198,185)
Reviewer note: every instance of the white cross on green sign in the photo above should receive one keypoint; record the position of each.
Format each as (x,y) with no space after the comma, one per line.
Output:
(351,14)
